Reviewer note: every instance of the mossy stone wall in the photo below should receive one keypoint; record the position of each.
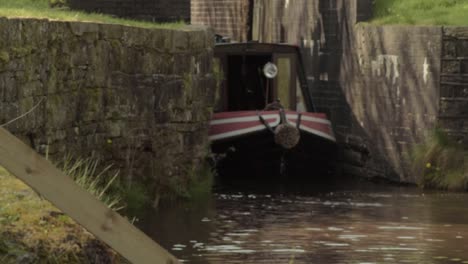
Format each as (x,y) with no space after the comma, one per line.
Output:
(138,98)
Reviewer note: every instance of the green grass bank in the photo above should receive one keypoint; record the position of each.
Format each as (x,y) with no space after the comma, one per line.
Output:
(42,9)
(421,12)
(34,231)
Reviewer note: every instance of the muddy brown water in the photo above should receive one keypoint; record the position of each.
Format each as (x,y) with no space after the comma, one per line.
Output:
(371,225)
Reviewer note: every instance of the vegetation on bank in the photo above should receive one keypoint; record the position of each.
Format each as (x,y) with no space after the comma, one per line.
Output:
(43,9)
(441,163)
(421,12)
(34,231)
(196,184)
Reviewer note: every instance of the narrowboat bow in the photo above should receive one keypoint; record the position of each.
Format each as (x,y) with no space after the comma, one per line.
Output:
(265,120)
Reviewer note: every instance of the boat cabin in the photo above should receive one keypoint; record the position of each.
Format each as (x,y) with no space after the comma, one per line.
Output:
(245,85)
(264,122)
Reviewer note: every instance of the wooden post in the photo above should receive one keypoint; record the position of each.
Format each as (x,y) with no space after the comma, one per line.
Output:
(83,207)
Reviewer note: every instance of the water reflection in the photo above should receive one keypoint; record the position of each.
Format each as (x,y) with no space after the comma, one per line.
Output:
(396,225)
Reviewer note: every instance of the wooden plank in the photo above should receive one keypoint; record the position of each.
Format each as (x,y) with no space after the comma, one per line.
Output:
(84,208)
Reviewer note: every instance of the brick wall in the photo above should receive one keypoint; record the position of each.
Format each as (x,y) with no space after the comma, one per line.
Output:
(230,18)
(151,10)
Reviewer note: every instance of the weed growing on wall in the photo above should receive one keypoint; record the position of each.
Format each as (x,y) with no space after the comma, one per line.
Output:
(196,183)
(441,163)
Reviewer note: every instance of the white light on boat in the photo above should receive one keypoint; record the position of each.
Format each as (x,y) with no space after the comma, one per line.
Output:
(270,70)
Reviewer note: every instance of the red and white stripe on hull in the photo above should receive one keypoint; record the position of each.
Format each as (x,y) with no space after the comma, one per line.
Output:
(313,123)
(226,125)
(232,124)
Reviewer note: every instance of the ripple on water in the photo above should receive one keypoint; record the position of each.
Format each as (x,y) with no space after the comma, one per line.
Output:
(434,240)
(314,229)
(352,204)
(288,250)
(178,247)
(400,228)
(393,249)
(198,245)
(336,229)
(440,257)
(352,237)
(242,213)
(248,230)
(336,244)
(229,249)
(361,229)
(237,234)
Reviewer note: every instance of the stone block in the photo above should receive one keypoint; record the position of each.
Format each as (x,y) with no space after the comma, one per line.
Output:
(455,32)
(183,64)
(180,41)
(453,108)
(159,40)
(451,66)
(197,40)
(451,124)
(110,32)
(80,29)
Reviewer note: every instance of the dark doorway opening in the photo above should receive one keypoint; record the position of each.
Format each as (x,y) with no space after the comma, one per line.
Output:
(246,82)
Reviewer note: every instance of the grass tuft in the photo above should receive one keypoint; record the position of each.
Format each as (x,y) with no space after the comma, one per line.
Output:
(85,173)
(441,163)
(42,9)
(421,12)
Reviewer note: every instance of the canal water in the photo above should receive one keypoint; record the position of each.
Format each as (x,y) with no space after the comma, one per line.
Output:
(359,224)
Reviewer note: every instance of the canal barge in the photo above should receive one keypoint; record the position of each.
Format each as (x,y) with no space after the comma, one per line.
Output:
(265,122)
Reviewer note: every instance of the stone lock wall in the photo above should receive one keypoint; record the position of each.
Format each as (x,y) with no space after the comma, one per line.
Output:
(390,77)
(137,98)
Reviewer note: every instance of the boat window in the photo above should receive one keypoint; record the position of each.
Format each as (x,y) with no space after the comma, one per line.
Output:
(284,81)
(246,83)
